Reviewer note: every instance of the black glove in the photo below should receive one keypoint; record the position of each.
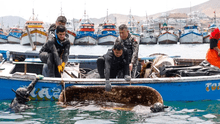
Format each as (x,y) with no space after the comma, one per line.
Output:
(127,77)
(108,86)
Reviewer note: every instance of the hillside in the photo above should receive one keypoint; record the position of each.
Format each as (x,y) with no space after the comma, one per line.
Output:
(12,21)
(207,8)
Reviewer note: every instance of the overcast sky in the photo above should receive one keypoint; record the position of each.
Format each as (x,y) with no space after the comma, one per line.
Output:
(49,10)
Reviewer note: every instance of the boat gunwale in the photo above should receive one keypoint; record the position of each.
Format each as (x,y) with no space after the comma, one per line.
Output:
(117,81)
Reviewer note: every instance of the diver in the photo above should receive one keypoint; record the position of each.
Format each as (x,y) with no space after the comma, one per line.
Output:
(114,64)
(55,53)
(18,104)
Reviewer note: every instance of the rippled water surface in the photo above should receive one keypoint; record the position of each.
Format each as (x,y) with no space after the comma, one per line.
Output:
(49,112)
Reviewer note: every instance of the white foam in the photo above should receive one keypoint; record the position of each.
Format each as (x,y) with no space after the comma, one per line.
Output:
(209,116)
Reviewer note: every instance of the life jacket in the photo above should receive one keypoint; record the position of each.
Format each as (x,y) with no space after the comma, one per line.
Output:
(128,44)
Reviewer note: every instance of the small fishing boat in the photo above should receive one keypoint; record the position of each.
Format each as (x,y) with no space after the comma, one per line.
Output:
(134,27)
(206,34)
(85,34)
(71,32)
(20,74)
(167,35)
(37,32)
(191,35)
(108,33)
(3,37)
(148,36)
(14,35)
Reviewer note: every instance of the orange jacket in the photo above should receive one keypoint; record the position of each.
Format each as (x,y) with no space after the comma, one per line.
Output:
(212,56)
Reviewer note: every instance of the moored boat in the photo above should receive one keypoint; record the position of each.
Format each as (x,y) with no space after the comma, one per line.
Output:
(167,35)
(85,34)
(148,36)
(134,27)
(71,32)
(108,34)
(37,32)
(3,37)
(191,35)
(14,35)
(206,34)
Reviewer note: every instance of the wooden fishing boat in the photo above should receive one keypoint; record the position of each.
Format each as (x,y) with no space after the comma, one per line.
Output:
(14,35)
(37,32)
(20,74)
(167,36)
(85,34)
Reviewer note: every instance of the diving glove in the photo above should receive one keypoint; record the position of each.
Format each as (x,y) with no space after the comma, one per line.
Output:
(108,86)
(127,77)
(60,68)
(63,65)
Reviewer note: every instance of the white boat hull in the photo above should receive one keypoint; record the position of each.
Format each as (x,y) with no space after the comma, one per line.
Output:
(167,38)
(3,41)
(13,40)
(191,38)
(71,37)
(206,39)
(38,38)
(85,41)
(148,39)
(107,40)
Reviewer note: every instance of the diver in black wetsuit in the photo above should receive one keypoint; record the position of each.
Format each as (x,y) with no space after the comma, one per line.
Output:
(114,64)
(18,104)
(55,53)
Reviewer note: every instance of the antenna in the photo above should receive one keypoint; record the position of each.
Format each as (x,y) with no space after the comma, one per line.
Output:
(190,14)
(33,14)
(33,11)
(215,17)
(61,9)
(107,15)
(130,16)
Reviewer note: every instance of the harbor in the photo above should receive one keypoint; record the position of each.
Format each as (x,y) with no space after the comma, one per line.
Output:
(172,80)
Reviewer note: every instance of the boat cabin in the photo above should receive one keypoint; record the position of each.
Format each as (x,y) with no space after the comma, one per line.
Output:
(16,30)
(86,28)
(34,24)
(108,28)
(169,29)
(1,31)
(191,28)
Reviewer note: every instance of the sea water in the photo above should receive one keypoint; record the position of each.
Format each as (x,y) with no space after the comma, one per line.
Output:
(202,112)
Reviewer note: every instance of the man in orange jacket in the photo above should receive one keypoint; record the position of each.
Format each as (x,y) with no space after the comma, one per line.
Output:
(213,54)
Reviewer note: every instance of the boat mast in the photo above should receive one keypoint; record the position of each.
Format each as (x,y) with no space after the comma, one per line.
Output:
(130,17)
(190,14)
(33,14)
(107,15)
(214,17)
(147,20)
(2,23)
(61,9)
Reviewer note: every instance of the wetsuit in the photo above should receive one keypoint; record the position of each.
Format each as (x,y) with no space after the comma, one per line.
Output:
(132,46)
(51,52)
(51,31)
(18,104)
(112,65)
